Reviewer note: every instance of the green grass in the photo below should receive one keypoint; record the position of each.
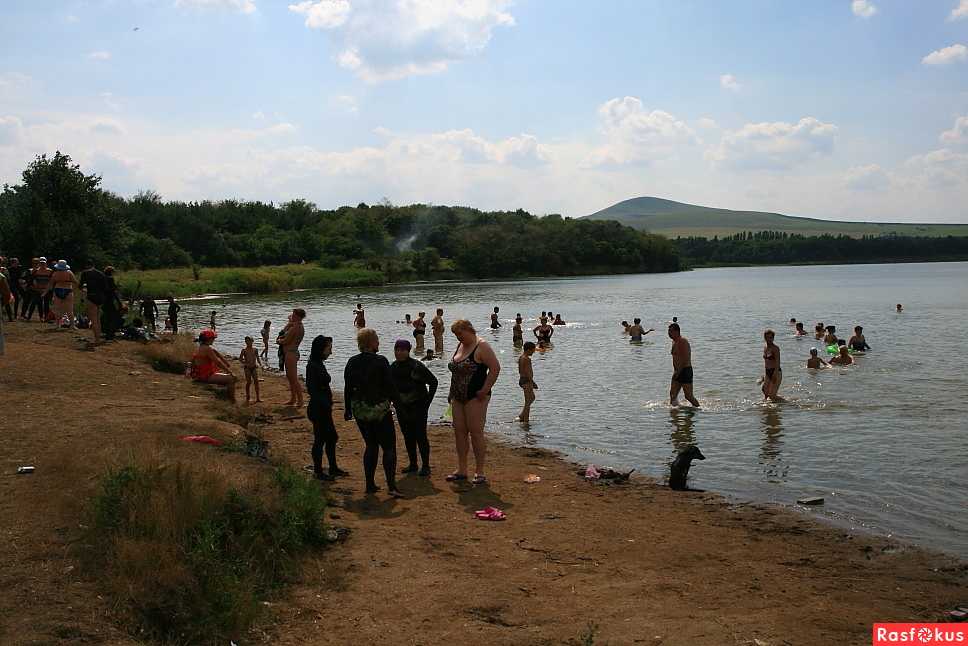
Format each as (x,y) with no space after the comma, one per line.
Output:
(188,556)
(673,219)
(181,281)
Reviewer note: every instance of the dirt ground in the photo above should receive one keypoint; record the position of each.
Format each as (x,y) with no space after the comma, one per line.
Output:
(642,563)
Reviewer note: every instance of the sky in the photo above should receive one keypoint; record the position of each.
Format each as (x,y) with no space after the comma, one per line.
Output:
(838,109)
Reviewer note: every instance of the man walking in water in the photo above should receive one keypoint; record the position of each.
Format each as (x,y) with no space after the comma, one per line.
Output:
(437,325)
(681,367)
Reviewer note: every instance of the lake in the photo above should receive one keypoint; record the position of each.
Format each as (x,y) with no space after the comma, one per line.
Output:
(883,441)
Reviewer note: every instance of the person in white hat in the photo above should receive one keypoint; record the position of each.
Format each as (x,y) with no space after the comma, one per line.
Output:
(62,285)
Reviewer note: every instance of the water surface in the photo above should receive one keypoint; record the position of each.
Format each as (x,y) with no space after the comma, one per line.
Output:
(883,441)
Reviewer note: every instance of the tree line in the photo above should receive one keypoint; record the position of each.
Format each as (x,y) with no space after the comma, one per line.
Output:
(58,210)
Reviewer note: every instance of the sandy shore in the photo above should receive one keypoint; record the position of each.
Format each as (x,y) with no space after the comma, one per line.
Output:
(644,564)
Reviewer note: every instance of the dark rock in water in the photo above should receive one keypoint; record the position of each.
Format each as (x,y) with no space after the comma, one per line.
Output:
(817,500)
(679,470)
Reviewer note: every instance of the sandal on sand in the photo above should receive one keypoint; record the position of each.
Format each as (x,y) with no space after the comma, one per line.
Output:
(455,477)
(490,513)
(479,480)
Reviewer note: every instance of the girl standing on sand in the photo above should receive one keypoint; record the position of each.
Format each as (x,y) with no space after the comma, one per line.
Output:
(474,369)
(290,347)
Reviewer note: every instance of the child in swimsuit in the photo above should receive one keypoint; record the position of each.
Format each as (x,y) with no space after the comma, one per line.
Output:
(249,358)
(495,323)
(526,380)
(265,341)
(815,362)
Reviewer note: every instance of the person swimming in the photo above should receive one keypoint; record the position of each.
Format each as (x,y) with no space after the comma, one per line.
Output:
(793,322)
(799,329)
(899,308)
(858,343)
(815,362)
(636,331)
(842,359)
(831,336)
(818,331)
(625,327)
(558,320)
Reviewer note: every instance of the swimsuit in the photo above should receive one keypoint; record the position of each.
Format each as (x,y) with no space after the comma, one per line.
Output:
(684,376)
(544,336)
(202,367)
(468,377)
(771,371)
(63,292)
(524,381)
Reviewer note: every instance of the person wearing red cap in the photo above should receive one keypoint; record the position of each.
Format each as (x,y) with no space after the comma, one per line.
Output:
(206,363)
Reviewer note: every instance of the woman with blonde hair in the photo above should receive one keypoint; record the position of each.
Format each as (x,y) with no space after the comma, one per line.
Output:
(474,369)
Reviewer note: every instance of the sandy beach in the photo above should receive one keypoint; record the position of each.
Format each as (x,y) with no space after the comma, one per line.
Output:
(640,563)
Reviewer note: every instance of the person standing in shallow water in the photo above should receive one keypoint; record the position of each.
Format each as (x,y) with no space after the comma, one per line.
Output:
(437,325)
(419,331)
(173,310)
(474,370)
(289,343)
(681,367)
(517,332)
(495,323)
(773,374)
(526,381)
(367,395)
(416,387)
(359,316)
(320,409)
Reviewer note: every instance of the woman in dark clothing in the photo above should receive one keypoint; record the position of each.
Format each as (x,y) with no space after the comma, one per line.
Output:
(367,394)
(320,409)
(111,319)
(412,378)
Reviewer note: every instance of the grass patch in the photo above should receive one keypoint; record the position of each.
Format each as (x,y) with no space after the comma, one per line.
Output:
(184,281)
(171,353)
(189,554)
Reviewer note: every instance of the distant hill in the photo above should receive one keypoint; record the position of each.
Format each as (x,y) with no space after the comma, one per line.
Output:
(674,219)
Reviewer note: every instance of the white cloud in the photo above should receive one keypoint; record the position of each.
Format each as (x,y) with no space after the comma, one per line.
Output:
(110,101)
(107,127)
(99,56)
(323,14)
(243,6)
(939,168)
(346,103)
(71,18)
(959,12)
(380,40)
(867,178)
(11,130)
(774,146)
(12,83)
(635,135)
(729,82)
(707,123)
(863,8)
(946,55)
(958,135)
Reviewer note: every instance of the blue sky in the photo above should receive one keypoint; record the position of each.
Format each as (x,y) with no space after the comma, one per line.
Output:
(841,109)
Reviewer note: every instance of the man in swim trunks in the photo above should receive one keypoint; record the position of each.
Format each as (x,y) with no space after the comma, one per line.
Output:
(858,343)
(773,374)
(681,367)
(636,331)
(359,317)
(526,380)
(437,325)
(495,323)
(517,332)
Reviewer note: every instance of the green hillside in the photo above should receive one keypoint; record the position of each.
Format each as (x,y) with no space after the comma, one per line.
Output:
(675,219)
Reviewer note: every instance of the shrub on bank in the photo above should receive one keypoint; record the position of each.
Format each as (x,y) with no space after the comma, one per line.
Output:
(171,353)
(191,555)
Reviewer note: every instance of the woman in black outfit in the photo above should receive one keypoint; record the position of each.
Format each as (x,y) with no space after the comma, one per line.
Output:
(412,378)
(320,409)
(111,319)
(367,394)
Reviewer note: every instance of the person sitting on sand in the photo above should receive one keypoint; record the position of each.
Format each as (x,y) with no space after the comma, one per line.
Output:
(842,359)
(636,331)
(773,374)
(858,343)
(799,329)
(818,331)
(265,341)
(416,387)
(206,363)
(830,337)
(526,381)
(517,332)
(558,320)
(815,362)
(290,347)
(320,409)
(249,358)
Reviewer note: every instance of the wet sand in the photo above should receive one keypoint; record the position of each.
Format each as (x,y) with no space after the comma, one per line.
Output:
(643,563)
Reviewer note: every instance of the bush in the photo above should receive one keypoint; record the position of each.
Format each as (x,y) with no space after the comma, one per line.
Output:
(171,353)
(189,554)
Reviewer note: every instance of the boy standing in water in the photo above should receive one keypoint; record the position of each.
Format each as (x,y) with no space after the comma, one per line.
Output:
(773,374)
(681,367)
(518,332)
(173,310)
(526,381)
(249,358)
(211,323)
(495,324)
(437,324)
(265,341)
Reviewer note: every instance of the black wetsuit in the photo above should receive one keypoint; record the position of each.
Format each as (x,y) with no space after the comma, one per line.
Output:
(95,283)
(412,379)
(16,273)
(320,413)
(173,310)
(368,388)
(111,319)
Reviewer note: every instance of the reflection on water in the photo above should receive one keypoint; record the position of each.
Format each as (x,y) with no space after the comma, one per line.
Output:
(603,399)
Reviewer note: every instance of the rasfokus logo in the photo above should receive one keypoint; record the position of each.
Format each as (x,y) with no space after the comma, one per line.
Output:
(919,634)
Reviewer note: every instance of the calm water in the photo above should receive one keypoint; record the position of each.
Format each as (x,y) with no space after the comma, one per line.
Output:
(884,441)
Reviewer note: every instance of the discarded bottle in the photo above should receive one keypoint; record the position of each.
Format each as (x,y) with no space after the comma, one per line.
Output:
(25,469)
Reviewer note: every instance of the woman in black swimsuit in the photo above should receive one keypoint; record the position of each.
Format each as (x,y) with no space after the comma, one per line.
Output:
(474,369)
(543,333)
(419,330)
